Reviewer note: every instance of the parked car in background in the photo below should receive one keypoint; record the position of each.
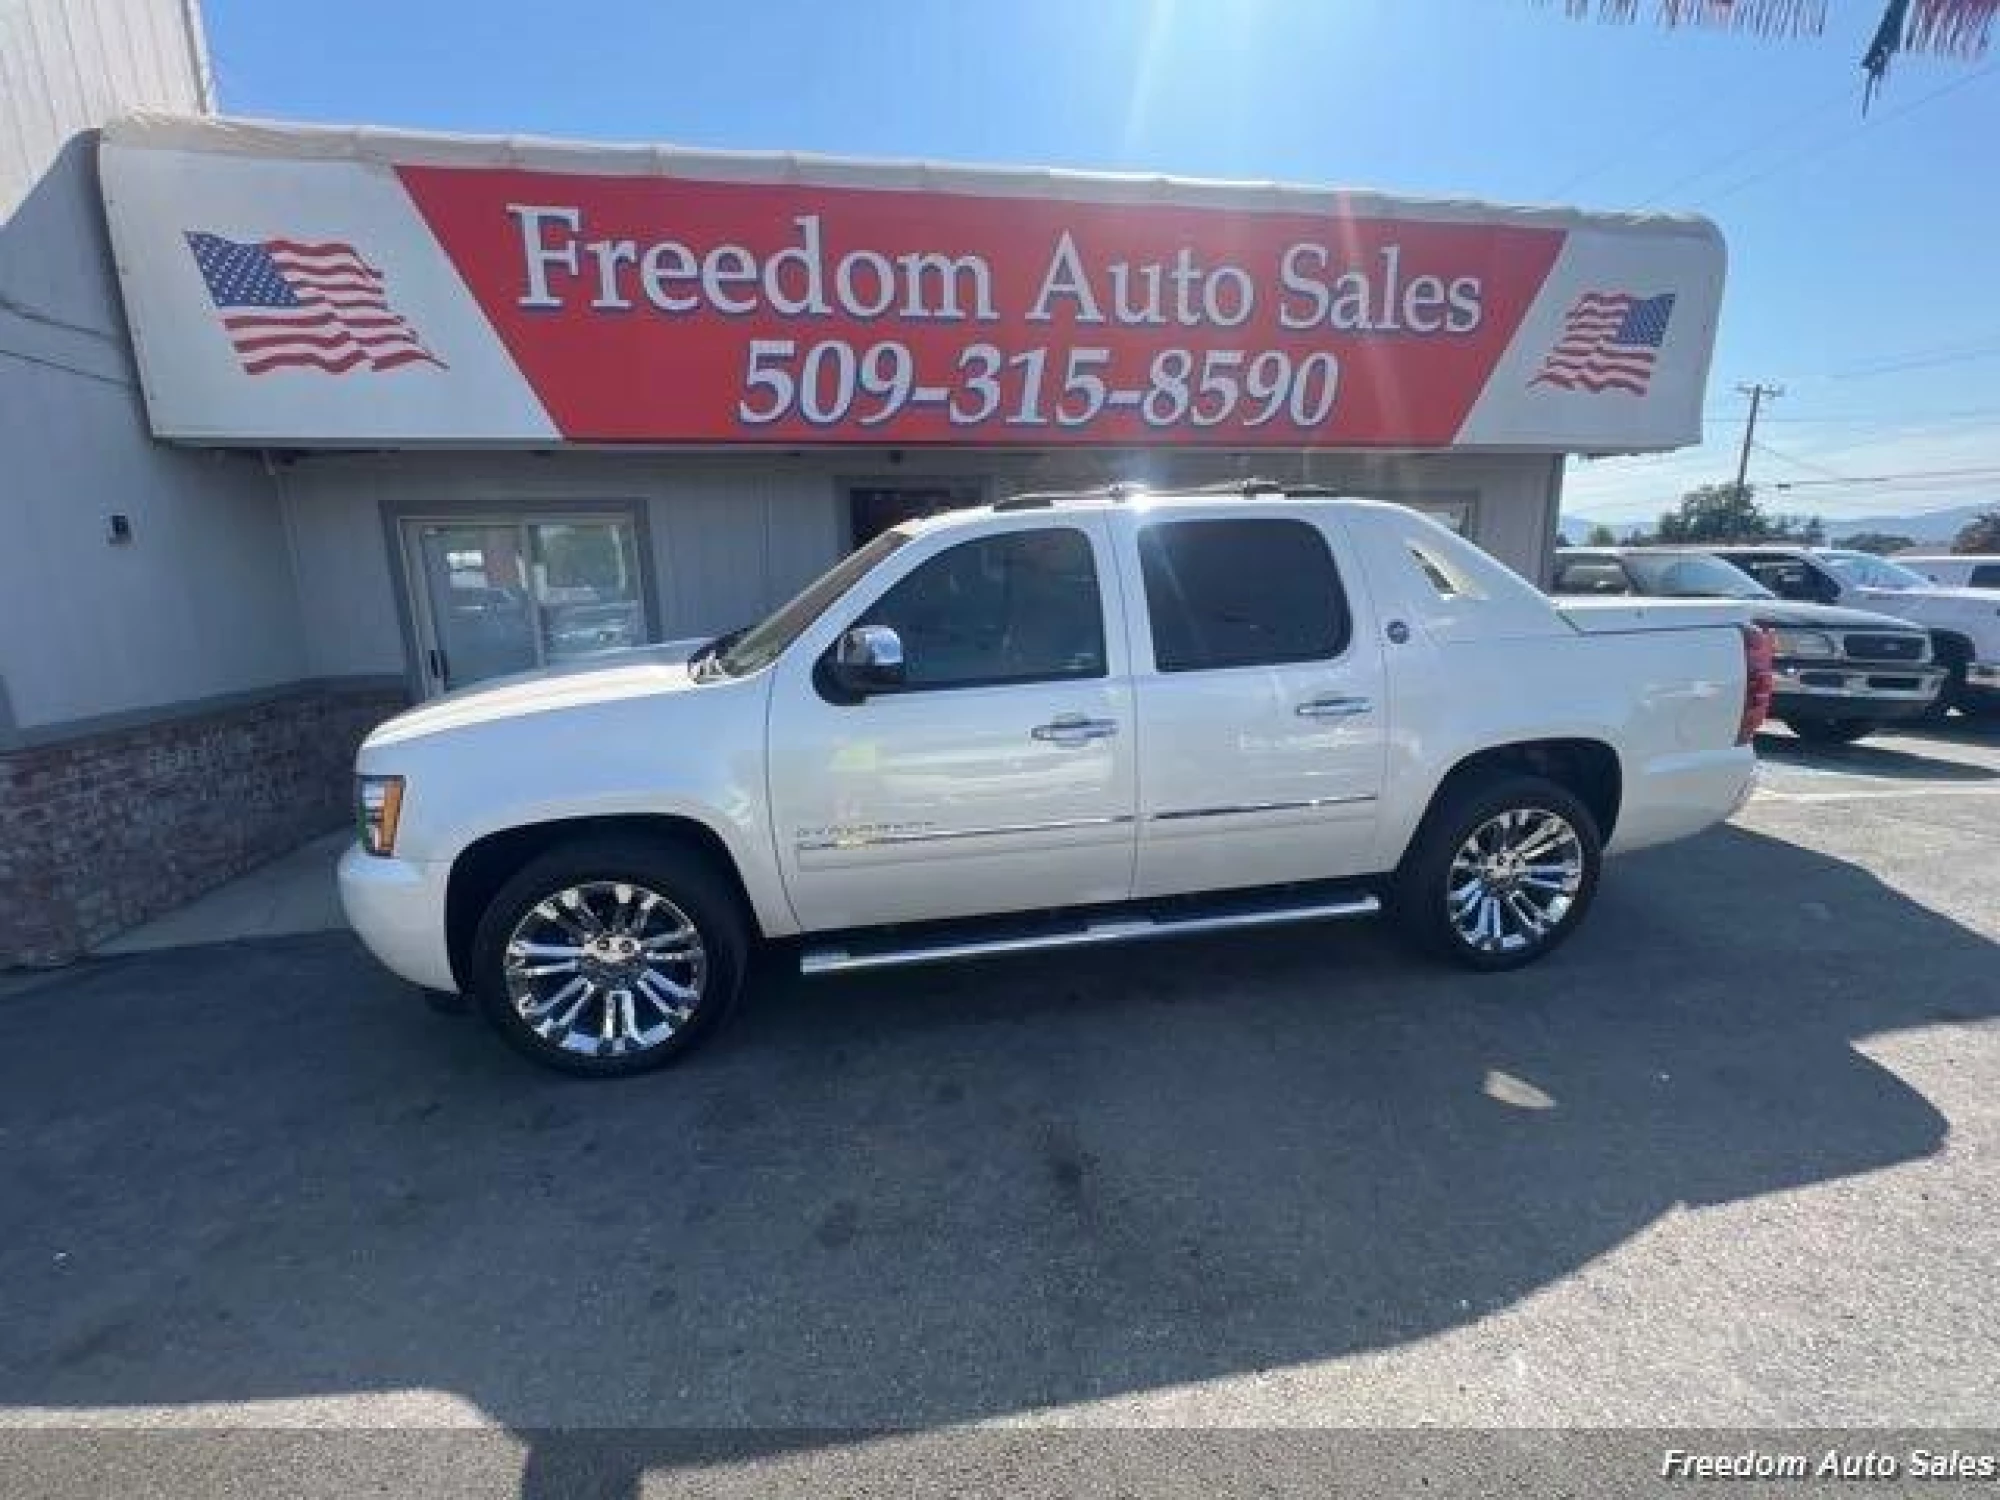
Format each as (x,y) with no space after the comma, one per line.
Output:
(1954,570)
(1839,672)
(1964,624)
(1043,724)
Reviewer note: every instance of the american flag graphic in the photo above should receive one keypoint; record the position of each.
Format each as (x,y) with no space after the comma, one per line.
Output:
(1608,343)
(289,305)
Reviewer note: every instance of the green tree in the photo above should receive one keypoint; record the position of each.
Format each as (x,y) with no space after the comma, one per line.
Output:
(1602,536)
(1716,513)
(1881,543)
(1730,513)
(1980,534)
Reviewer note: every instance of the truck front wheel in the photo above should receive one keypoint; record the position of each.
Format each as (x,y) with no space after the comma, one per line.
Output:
(1501,871)
(609,955)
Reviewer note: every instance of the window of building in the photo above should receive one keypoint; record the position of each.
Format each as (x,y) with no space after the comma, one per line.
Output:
(507,594)
(1022,606)
(874,508)
(1240,594)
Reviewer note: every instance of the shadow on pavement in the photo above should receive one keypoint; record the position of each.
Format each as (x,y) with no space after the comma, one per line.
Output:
(1983,733)
(1869,758)
(266,1171)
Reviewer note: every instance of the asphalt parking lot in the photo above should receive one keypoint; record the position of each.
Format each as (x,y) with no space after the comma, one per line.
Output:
(1732,1157)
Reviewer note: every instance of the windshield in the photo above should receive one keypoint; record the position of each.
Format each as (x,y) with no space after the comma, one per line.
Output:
(756,648)
(1867,571)
(1691,576)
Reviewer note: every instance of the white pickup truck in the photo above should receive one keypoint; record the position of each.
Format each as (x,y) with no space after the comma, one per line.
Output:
(1048,722)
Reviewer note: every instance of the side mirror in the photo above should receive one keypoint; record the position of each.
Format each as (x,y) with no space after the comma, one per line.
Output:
(868,659)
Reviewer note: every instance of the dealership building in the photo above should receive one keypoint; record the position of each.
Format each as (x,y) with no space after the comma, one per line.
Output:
(299,425)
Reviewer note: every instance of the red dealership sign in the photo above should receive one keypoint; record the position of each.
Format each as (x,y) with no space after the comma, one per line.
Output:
(719,306)
(702,311)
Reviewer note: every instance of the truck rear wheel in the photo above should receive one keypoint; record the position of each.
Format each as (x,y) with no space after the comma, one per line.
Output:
(1501,871)
(609,955)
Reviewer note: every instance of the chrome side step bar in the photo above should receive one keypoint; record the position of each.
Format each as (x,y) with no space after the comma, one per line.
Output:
(1101,930)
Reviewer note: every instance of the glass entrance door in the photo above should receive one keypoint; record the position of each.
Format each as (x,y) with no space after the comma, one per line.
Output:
(508,595)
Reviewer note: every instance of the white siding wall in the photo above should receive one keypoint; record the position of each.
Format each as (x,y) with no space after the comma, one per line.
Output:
(731,537)
(199,604)
(67,65)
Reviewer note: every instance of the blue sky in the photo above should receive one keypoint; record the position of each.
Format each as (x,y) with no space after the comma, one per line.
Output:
(1862,253)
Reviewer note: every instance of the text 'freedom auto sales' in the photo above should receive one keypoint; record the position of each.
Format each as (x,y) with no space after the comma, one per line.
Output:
(833,381)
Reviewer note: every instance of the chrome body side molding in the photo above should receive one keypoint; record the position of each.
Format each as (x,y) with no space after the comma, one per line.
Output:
(1231,809)
(1109,929)
(818,844)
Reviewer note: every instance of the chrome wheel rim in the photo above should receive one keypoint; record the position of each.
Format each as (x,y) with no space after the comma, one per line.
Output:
(1514,880)
(606,968)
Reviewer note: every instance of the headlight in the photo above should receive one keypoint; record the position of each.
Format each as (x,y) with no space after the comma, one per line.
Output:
(1804,643)
(378,806)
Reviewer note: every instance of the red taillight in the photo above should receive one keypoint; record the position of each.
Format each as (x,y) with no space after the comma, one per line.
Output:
(1757,681)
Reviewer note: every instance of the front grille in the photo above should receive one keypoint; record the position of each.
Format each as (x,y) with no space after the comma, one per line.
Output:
(1864,647)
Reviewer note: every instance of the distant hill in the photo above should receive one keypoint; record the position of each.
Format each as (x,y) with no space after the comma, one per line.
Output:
(1938,526)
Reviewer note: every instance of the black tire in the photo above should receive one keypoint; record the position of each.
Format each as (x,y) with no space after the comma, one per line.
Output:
(1831,731)
(689,887)
(1952,692)
(1421,897)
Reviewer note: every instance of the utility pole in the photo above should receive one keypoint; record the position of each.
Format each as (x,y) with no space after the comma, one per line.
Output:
(1756,393)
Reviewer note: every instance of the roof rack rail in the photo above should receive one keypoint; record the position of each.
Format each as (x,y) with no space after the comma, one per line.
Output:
(1118,490)
(1250,487)
(1123,490)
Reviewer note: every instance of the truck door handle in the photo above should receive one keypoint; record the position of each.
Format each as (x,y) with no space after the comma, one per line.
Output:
(1074,729)
(1333,707)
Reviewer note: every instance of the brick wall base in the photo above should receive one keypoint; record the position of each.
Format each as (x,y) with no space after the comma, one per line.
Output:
(100,833)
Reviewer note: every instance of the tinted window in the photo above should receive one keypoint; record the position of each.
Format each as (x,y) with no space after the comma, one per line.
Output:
(1691,575)
(1986,576)
(1786,577)
(1019,607)
(1240,594)
(1590,575)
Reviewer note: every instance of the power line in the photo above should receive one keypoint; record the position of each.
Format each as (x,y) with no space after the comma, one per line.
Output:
(1980,475)
(1798,463)
(1735,156)
(1831,143)
(1922,351)
(1856,419)
(1673,121)
(1922,362)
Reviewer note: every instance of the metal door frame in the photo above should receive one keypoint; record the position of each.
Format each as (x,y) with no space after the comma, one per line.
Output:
(405,523)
